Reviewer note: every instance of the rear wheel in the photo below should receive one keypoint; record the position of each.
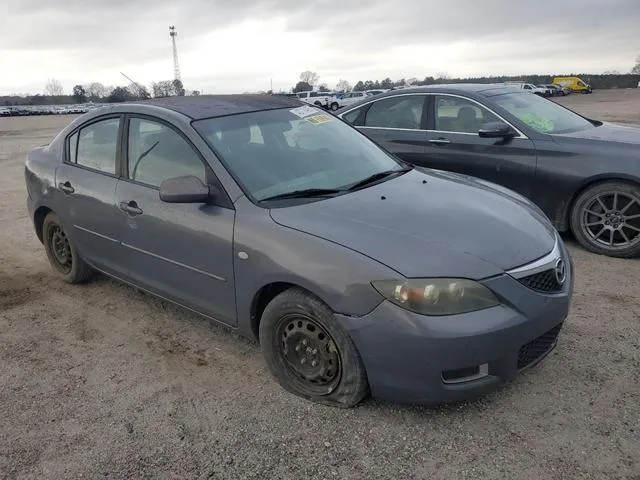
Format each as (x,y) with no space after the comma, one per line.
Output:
(606,219)
(62,252)
(309,353)
(334,106)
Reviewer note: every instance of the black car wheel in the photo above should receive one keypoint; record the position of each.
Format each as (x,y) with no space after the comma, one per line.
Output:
(309,353)
(606,219)
(334,106)
(62,252)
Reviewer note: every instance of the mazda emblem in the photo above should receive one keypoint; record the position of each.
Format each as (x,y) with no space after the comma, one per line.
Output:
(560,271)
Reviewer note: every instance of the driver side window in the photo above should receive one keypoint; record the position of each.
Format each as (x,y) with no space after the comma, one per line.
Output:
(156,152)
(403,112)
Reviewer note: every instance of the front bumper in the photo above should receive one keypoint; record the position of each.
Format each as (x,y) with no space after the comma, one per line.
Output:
(411,358)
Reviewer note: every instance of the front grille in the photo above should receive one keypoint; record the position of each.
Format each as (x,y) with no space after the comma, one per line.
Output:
(544,282)
(535,349)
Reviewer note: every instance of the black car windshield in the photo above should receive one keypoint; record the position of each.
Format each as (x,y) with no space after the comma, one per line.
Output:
(276,152)
(544,116)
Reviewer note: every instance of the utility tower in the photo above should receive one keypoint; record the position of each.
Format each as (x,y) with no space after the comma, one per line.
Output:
(176,66)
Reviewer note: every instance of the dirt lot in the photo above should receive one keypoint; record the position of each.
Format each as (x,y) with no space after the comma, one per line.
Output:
(618,105)
(100,381)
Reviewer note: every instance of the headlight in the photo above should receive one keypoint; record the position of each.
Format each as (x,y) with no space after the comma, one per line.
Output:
(437,296)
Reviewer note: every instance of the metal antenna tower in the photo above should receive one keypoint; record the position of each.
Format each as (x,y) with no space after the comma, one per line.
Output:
(176,66)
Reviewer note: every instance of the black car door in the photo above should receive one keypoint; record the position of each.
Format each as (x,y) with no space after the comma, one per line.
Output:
(396,123)
(85,191)
(182,251)
(454,145)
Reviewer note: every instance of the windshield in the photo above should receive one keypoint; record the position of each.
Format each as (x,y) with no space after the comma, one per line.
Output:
(280,151)
(543,115)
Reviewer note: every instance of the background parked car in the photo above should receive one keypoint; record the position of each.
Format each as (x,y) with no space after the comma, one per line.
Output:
(583,173)
(575,84)
(528,87)
(319,99)
(350,98)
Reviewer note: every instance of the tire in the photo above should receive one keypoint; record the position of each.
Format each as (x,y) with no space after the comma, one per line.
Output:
(594,216)
(62,252)
(334,106)
(295,317)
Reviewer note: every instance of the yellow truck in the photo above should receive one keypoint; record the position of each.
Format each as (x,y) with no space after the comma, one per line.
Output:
(576,84)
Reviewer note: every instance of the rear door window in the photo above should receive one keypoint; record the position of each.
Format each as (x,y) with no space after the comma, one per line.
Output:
(97,146)
(404,112)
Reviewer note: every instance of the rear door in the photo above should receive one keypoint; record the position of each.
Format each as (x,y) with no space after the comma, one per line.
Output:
(454,145)
(86,185)
(396,123)
(180,251)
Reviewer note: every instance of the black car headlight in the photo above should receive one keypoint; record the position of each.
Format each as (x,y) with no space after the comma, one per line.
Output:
(437,296)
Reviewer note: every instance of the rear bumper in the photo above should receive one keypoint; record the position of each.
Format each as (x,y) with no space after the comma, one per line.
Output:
(416,359)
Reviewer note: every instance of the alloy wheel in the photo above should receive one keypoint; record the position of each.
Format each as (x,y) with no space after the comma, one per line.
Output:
(612,220)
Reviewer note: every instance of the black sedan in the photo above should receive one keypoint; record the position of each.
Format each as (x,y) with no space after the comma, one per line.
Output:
(583,173)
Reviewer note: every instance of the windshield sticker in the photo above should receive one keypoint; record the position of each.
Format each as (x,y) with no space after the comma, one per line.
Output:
(304,111)
(318,119)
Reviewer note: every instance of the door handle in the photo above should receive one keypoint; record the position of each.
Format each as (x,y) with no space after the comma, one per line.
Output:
(439,141)
(66,188)
(131,208)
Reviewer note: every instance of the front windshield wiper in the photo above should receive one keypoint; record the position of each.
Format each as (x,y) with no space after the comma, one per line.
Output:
(377,176)
(306,193)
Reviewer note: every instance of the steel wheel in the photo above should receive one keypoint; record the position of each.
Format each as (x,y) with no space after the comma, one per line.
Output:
(61,249)
(611,219)
(310,354)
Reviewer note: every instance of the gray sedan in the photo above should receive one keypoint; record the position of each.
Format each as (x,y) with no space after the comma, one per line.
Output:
(357,273)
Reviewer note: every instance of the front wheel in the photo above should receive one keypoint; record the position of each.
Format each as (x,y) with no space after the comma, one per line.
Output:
(309,353)
(334,106)
(606,219)
(62,252)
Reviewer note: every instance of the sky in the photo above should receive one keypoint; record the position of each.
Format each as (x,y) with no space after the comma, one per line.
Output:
(235,46)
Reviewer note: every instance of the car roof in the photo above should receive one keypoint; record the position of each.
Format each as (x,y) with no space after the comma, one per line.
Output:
(208,106)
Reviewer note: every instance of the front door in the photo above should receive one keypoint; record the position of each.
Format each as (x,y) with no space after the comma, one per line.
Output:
(180,251)
(395,123)
(86,186)
(454,145)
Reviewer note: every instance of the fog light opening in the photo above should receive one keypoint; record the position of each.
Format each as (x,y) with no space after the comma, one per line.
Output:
(467,374)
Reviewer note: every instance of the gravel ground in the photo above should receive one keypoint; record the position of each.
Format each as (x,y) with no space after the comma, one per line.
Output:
(101,381)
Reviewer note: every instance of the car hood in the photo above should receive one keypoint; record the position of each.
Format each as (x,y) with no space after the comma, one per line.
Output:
(608,132)
(430,223)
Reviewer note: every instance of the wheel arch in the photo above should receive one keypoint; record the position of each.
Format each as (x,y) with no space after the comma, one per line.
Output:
(265,295)
(565,221)
(38,220)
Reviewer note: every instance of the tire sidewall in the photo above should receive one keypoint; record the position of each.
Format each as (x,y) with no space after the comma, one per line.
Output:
(353,386)
(50,221)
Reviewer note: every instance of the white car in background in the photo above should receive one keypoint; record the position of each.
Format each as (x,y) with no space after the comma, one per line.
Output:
(326,100)
(529,87)
(349,98)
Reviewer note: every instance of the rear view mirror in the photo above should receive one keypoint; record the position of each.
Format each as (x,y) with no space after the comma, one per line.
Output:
(496,130)
(189,189)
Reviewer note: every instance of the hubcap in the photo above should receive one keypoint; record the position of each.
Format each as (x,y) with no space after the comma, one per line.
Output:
(310,354)
(61,249)
(612,220)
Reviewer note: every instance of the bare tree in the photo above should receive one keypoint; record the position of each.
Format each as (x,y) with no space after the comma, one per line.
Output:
(96,90)
(53,88)
(343,86)
(309,77)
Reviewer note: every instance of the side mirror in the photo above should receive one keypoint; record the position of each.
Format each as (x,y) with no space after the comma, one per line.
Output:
(187,189)
(496,130)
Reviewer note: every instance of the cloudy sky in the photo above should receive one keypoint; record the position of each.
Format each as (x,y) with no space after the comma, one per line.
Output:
(239,45)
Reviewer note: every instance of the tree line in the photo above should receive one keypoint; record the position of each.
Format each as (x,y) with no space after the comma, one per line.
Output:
(310,81)
(98,93)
